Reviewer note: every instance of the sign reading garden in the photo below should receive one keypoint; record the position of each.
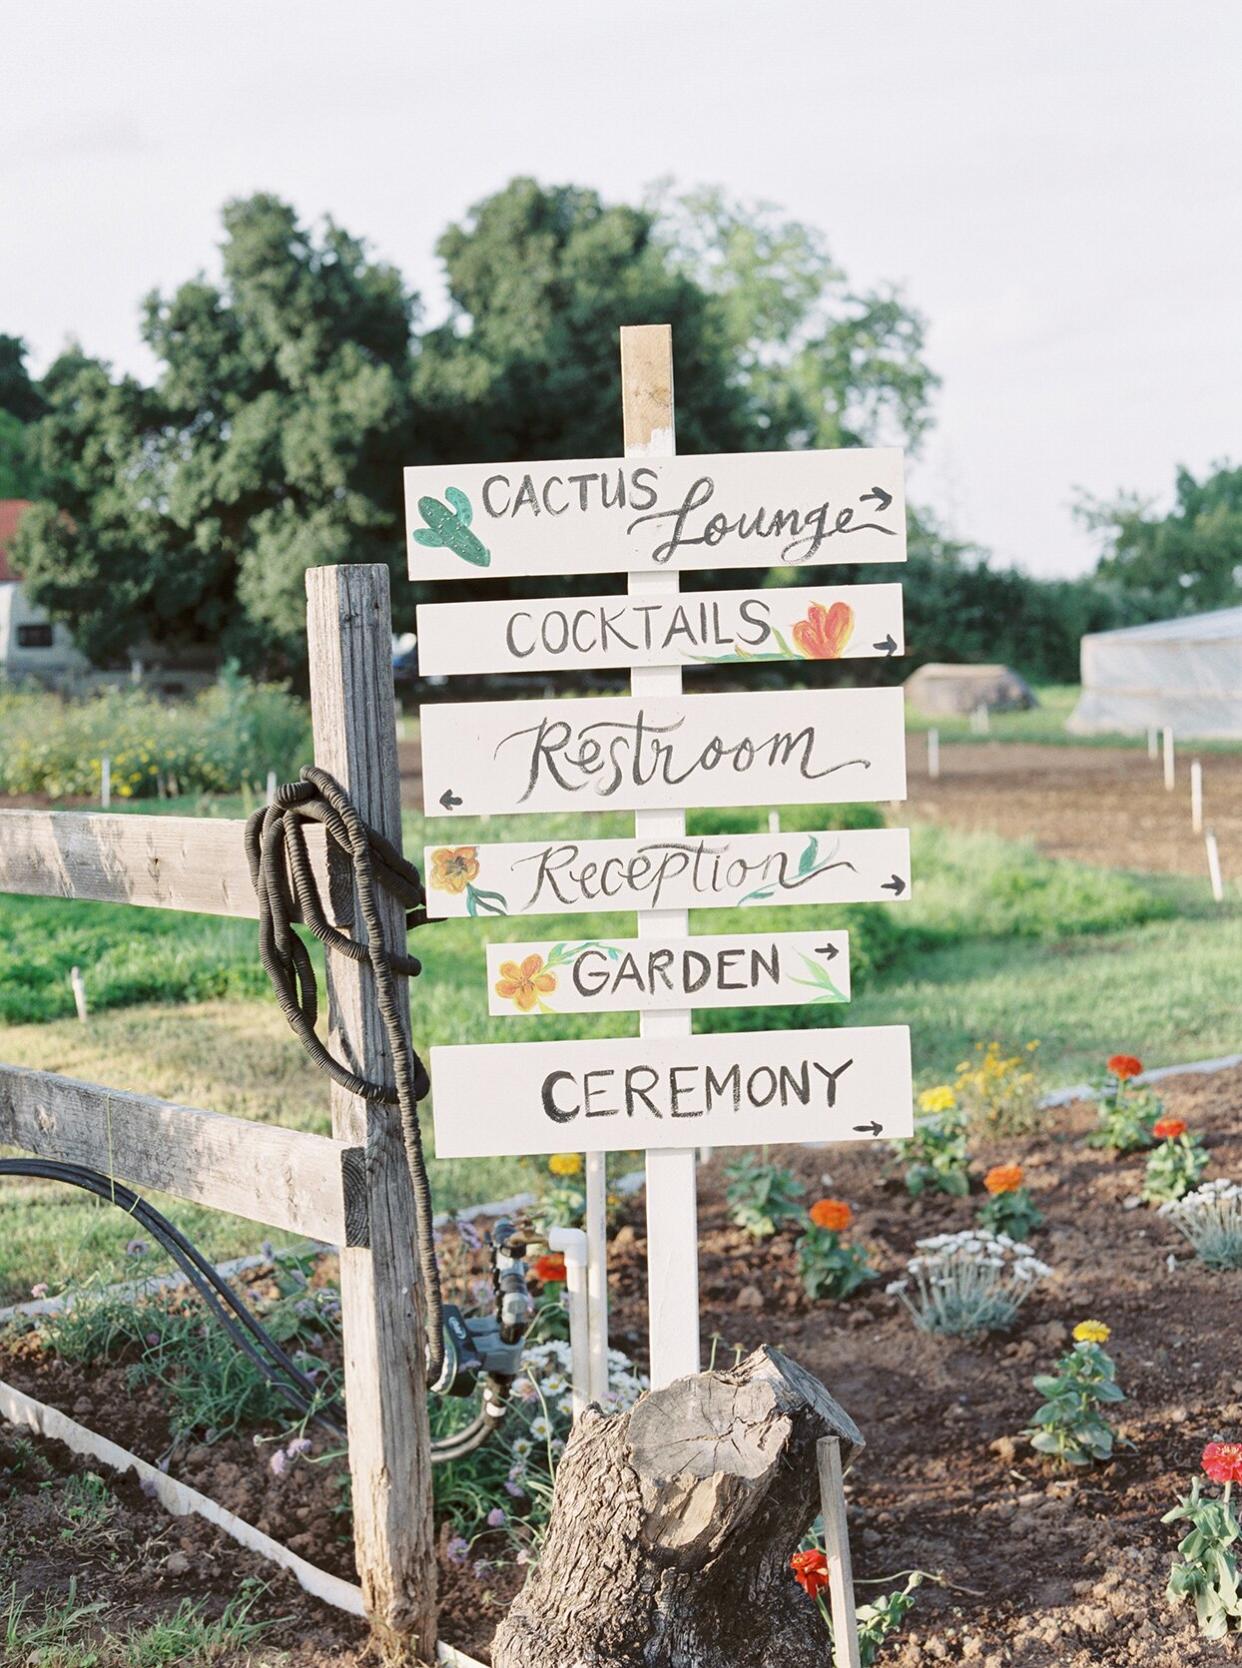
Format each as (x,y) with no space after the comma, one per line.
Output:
(657,752)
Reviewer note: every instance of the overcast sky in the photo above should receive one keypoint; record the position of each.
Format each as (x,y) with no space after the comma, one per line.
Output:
(1056,185)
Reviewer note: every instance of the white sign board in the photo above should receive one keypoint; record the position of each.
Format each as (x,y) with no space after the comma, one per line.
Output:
(655,515)
(788,747)
(700,628)
(738,1089)
(592,976)
(718,871)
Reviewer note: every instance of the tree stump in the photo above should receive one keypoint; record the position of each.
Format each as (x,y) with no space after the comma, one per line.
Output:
(673,1525)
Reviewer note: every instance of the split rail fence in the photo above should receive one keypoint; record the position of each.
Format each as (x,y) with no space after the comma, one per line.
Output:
(352,1188)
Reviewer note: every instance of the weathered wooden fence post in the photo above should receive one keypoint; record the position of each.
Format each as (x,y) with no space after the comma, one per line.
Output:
(349,633)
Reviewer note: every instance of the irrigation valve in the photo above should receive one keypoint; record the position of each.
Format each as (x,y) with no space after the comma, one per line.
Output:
(490,1345)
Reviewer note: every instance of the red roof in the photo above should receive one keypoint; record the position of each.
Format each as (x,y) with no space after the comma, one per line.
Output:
(11,512)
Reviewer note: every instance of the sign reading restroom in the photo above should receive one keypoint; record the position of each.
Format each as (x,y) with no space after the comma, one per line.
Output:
(619,975)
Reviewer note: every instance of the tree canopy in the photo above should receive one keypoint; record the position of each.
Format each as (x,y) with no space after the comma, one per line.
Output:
(20,403)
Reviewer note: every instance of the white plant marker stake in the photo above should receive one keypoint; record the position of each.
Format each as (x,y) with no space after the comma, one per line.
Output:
(78,986)
(774,822)
(271,787)
(1153,742)
(105,782)
(1196,796)
(845,1647)
(1169,771)
(672,1207)
(1213,861)
(597,1274)
(933,754)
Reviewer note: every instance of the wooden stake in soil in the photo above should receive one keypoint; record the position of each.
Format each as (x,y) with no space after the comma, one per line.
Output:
(672,1210)
(349,629)
(846,1652)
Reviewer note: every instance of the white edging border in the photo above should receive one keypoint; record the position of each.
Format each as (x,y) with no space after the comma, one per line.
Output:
(1090,1091)
(179,1499)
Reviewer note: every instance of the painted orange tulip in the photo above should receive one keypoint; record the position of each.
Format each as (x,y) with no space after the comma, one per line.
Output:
(825,632)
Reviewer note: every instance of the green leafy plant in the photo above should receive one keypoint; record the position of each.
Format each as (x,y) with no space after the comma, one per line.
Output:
(1176,1165)
(1000,1091)
(762,1197)
(828,1264)
(1127,1114)
(936,1156)
(876,1621)
(1205,1571)
(1069,1426)
(1211,1219)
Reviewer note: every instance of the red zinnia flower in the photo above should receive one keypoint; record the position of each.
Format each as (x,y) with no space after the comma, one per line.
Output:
(1168,1129)
(810,1571)
(1223,1461)
(549,1267)
(1124,1066)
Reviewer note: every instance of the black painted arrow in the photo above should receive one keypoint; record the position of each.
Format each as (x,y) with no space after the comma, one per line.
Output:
(868,1129)
(828,951)
(883,499)
(896,886)
(888,646)
(449,800)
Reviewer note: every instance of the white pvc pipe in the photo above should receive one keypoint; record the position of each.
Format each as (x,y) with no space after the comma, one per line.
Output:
(78,986)
(1196,796)
(1169,769)
(1213,862)
(572,1245)
(105,782)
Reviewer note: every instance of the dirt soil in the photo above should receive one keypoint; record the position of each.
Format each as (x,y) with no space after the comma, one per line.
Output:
(1041,1569)
(1102,805)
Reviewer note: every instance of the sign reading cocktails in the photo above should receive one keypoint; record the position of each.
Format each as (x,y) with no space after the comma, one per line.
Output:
(602,515)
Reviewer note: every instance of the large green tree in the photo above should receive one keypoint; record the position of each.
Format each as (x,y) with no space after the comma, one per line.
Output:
(20,403)
(272,440)
(1184,562)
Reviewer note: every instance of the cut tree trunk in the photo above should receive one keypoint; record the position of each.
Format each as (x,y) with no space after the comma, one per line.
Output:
(673,1525)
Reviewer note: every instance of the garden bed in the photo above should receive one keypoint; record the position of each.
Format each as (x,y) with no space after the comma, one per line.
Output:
(1042,1568)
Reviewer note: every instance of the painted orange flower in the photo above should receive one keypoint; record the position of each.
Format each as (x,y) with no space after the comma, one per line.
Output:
(548,1268)
(525,985)
(825,632)
(1003,1178)
(1124,1066)
(1223,1461)
(833,1214)
(453,868)
(1168,1129)
(810,1571)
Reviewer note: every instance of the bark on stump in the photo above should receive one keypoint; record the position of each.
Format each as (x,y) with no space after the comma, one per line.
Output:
(673,1525)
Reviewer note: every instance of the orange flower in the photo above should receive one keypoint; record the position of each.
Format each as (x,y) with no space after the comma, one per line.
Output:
(549,1267)
(524,985)
(825,631)
(1003,1178)
(453,868)
(833,1214)
(810,1571)
(1223,1461)
(1168,1129)
(1124,1066)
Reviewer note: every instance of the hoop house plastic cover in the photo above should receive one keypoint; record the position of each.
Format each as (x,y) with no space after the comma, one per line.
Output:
(1185,673)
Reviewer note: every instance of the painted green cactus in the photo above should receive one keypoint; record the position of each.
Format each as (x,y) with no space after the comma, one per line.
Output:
(448,528)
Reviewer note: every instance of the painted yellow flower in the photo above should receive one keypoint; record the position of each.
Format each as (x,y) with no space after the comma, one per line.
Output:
(565,1164)
(525,985)
(453,868)
(1092,1332)
(939,1099)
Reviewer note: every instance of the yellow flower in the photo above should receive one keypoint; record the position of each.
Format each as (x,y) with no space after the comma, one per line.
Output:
(454,867)
(939,1099)
(524,986)
(565,1164)
(1091,1332)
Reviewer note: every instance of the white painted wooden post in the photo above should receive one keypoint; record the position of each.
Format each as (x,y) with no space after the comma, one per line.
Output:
(105,782)
(774,822)
(1169,769)
(78,986)
(1213,863)
(1196,796)
(672,1207)
(597,1273)
(349,632)
(933,754)
(846,1652)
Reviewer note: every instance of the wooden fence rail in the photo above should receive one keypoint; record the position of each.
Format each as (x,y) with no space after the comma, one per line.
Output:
(286,1178)
(197,864)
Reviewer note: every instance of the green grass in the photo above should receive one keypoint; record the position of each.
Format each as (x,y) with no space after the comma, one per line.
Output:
(63,1633)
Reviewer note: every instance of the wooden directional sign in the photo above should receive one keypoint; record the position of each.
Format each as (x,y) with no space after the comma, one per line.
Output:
(590,976)
(706,628)
(719,871)
(737,1089)
(656,515)
(797,747)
